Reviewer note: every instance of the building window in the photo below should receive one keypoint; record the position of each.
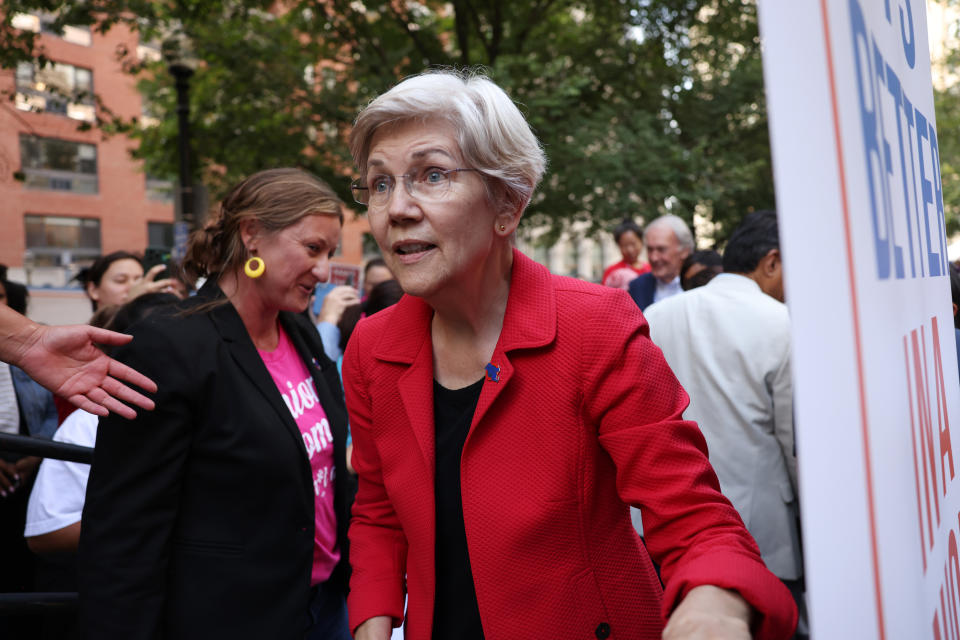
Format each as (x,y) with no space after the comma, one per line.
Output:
(56,88)
(59,165)
(42,22)
(160,235)
(159,190)
(56,241)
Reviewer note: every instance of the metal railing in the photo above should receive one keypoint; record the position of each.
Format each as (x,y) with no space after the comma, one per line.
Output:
(45,448)
(38,603)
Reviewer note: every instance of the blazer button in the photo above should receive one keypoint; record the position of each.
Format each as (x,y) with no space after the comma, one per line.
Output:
(603,631)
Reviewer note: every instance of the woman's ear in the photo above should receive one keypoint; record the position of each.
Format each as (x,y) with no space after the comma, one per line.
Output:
(505,224)
(508,219)
(249,231)
(92,292)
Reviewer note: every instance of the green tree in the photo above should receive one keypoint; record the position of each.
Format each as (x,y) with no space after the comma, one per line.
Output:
(947,108)
(643,106)
(722,117)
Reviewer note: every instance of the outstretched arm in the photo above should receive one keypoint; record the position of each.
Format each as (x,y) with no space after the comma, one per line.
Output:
(66,361)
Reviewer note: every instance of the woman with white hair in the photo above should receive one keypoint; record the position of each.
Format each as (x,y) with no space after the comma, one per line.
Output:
(504,418)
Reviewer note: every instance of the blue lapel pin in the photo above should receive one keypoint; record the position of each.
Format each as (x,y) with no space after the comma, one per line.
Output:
(493,372)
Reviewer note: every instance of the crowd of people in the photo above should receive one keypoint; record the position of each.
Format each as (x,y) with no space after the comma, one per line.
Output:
(445,449)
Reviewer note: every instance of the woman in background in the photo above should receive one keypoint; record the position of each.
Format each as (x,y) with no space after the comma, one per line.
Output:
(223,513)
(629,238)
(118,277)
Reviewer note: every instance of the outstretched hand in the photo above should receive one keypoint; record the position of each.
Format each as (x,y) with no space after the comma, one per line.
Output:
(66,361)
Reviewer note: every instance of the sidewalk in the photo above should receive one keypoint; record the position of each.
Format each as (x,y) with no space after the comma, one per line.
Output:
(59,306)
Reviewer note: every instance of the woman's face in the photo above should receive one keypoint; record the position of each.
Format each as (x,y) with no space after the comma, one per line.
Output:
(297,258)
(630,246)
(431,247)
(116,282)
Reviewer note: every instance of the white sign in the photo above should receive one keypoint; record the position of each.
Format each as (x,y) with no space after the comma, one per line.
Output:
(856,164)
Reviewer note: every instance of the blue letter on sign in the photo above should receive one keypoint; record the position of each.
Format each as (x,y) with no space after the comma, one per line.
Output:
(868,119)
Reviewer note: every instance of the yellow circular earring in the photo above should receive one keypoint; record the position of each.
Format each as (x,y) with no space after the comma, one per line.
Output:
(503,228)
(254,267)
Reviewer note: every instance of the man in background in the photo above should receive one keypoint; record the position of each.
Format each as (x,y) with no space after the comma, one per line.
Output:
(728,342)
(669,241)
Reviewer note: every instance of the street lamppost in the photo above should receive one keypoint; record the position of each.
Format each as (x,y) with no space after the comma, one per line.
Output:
(176,51)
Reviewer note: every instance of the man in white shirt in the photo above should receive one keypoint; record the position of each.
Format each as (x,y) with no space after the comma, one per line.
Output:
(728,342)
(668,241)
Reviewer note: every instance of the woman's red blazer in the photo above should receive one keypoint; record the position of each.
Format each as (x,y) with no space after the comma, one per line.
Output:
(585,419)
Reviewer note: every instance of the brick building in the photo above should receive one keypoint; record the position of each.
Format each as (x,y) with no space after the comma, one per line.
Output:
(67,194)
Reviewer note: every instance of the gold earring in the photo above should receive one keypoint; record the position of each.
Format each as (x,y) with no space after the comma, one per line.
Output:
(503,228)
(254,267)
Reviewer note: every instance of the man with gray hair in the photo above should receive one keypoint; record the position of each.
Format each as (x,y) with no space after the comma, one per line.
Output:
(669,242)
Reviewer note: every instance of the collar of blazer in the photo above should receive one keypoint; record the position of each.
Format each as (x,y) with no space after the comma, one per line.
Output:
(230,326)
(530,320)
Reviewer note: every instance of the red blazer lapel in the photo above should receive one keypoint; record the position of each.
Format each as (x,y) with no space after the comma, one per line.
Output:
(407,342)
(529,322)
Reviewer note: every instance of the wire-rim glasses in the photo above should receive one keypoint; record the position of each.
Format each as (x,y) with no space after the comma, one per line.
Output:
(429,184)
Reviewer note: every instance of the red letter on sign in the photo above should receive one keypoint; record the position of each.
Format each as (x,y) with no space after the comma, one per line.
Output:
(916,466)
(946,448)
(927,454)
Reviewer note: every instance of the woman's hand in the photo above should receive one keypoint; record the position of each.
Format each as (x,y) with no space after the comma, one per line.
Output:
(710,613)
(375,628)
(149,284)
(336,301)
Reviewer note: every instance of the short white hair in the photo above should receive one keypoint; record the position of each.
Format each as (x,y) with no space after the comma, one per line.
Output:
(675,224)
(493,135)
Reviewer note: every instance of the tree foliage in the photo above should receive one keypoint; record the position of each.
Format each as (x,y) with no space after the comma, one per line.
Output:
(947,107)
(643,106)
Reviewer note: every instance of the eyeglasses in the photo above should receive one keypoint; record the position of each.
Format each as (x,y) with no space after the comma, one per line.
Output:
(428,185)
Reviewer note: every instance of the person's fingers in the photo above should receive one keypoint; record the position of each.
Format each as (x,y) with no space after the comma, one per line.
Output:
(8,479)
(103,336)
(110,403)
(160,285)
(345,292)
(122,392)
(123,373)
(154,271)
(82,402)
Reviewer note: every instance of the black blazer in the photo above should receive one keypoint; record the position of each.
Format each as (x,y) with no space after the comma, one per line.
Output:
(199,516)
(642,288)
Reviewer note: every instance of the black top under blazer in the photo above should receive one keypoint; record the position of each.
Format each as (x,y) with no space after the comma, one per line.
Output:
(199,516)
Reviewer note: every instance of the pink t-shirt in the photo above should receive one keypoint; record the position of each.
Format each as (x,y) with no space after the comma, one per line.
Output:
(296,386)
